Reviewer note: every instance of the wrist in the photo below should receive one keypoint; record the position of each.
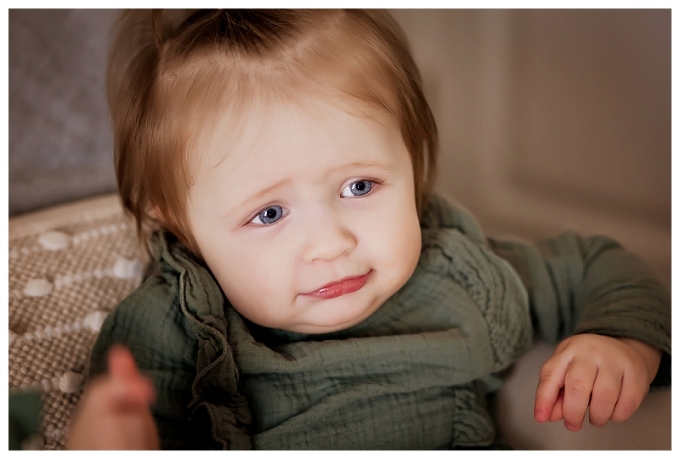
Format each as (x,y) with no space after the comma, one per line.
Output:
(651,356)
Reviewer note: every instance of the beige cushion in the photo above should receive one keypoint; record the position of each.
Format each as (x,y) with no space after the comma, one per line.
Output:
(68,267)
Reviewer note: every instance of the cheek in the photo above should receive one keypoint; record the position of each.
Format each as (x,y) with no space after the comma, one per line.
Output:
(395,240)
(408,243)
(252,276)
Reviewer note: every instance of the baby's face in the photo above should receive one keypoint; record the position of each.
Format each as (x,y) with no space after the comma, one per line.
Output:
(308,220)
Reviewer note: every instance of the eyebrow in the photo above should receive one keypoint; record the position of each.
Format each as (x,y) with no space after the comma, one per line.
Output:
(258,195)
(360,164)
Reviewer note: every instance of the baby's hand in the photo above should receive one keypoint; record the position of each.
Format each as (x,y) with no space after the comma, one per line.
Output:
(609,375)
(114,411)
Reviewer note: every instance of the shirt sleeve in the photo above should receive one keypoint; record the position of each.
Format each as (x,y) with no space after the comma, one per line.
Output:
(592,285)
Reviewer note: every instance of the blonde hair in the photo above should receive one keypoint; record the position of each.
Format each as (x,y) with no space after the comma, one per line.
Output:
(170,73)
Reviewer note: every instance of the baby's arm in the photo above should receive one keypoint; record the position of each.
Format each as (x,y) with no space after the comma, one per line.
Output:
(592,288)
(609,376)
(114,412)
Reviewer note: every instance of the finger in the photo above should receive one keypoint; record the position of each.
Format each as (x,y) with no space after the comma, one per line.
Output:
(128,389)
(550,382)
(132,395)
(578,385)
(557,413)
(107,395)
(122,363)
(632,393)
(119,395)
(606,390)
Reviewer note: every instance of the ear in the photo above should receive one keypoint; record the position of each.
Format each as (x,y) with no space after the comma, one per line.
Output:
(157,215)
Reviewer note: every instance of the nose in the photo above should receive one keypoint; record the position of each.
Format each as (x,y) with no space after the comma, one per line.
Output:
(328,239)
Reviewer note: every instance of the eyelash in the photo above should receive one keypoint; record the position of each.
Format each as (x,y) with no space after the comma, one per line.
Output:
(261,211)
(372,184)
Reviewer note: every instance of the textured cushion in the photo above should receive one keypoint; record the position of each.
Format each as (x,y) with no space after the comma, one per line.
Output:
(68,268)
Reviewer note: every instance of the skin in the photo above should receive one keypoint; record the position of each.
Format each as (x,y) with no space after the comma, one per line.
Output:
(114,411)
(304,160)
(610,377)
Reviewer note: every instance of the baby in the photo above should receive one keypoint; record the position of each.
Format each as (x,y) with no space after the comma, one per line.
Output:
(306,289)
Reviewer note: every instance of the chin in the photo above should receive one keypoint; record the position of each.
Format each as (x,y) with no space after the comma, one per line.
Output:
(339,315)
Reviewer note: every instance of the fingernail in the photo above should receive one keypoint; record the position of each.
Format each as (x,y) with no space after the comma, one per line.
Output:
(572,427)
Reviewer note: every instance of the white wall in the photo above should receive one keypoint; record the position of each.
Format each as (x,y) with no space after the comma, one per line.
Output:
(554,119)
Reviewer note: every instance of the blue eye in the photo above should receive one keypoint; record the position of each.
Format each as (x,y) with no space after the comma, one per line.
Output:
(268,216)
(358,188)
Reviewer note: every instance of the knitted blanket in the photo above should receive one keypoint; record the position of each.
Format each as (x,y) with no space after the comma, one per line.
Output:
(68,268)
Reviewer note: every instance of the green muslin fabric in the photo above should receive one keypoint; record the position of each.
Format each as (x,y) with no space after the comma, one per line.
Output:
(24,413)
(414,375)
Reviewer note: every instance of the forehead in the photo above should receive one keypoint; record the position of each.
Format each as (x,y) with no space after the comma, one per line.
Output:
(273,132)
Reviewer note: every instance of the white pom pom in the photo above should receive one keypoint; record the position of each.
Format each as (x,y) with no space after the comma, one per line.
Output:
(33,442)
(127,269)
(95,320)
(54,240)
(70,382)
(38,287)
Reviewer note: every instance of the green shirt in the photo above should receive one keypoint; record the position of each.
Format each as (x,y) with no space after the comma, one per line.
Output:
(414,375)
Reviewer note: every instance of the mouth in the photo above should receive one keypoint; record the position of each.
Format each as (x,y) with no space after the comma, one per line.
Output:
(341,287)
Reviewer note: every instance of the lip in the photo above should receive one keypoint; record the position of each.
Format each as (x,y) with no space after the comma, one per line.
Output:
(341,287)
